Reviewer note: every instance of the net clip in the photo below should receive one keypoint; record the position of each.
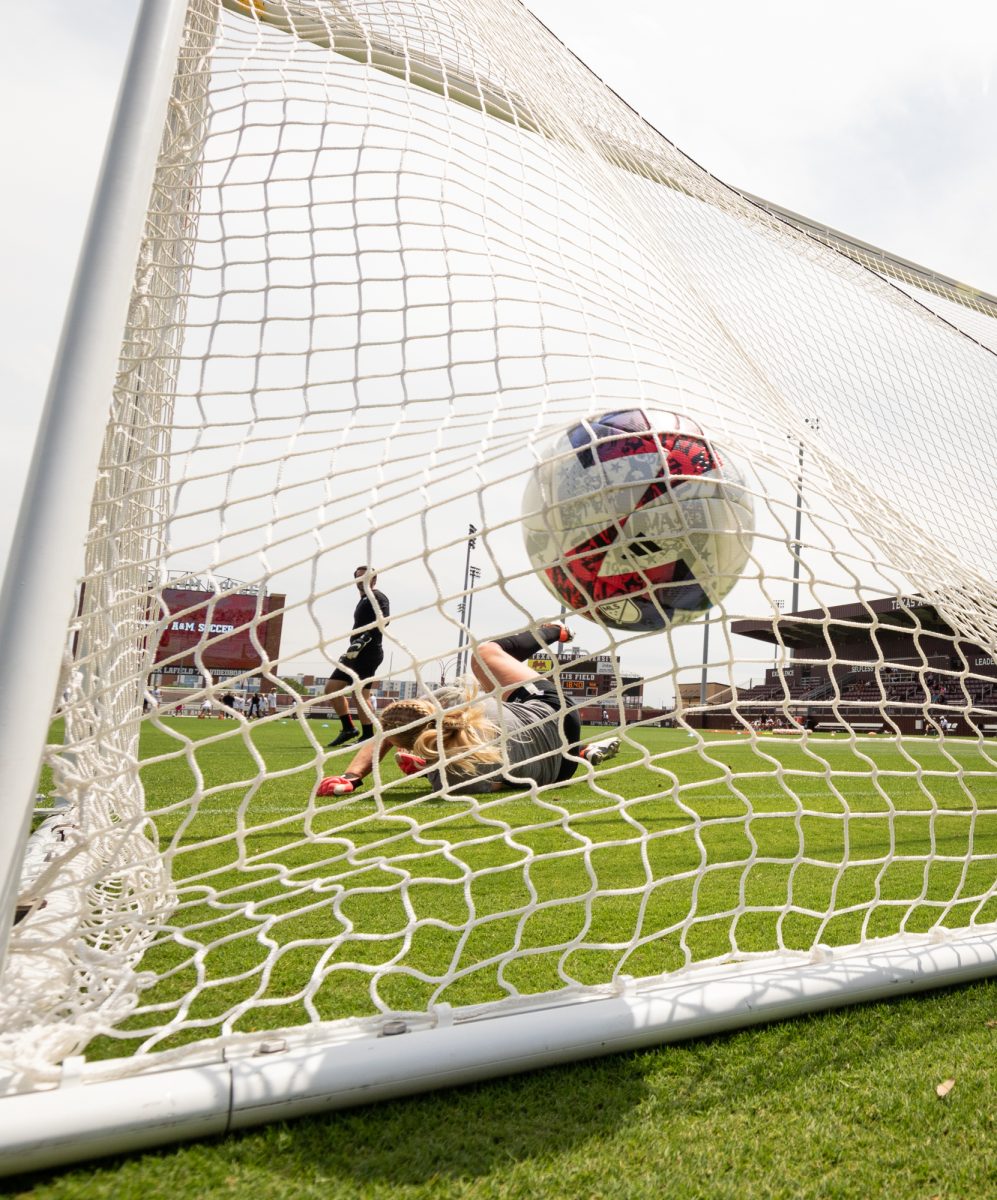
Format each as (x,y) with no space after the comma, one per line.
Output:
(71,1074)
(443,1015)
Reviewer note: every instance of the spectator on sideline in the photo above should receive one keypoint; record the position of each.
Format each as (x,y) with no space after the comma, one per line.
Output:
(364,654)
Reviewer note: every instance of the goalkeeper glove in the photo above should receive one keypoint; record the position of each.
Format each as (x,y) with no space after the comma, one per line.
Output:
(339,785)
(409,764)
(357,646)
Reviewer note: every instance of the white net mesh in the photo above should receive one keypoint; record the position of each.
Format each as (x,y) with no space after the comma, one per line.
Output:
(391,247)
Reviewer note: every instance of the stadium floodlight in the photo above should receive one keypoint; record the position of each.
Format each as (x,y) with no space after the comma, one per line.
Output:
(473,575)
(349,266)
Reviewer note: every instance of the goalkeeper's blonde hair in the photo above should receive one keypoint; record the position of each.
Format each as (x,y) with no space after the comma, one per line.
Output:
(461,735)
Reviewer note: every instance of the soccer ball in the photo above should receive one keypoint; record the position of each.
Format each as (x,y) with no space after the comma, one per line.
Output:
(635,519)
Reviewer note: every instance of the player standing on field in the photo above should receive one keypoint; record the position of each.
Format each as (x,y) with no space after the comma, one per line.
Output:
(363,656)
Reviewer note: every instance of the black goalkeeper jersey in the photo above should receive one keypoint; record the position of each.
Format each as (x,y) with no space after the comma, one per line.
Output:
(373,607)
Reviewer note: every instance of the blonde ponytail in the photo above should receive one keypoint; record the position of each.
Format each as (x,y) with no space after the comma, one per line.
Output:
(462,737)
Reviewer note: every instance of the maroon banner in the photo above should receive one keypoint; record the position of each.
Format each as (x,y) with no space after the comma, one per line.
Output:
(201,629)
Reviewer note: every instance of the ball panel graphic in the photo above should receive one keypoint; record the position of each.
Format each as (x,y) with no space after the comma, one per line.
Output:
(636,519)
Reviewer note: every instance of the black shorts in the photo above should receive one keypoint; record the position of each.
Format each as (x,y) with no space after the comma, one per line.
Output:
(545,690)
(362,666)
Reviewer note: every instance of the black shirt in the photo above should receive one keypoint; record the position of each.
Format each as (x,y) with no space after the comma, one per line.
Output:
(367,613)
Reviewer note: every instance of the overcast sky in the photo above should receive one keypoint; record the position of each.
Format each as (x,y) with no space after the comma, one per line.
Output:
(877,119)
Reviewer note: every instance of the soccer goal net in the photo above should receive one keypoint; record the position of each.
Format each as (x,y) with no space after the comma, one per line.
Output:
(408,272)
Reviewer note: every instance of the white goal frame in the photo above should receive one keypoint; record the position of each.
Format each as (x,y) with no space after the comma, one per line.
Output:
(261,1078)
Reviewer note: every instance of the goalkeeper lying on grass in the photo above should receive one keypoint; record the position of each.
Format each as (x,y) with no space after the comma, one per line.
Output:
(522,731)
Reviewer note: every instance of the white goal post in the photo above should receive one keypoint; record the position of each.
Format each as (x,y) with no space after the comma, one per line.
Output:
(350,264)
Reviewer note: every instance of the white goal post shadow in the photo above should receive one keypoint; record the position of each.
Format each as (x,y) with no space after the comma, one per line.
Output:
(258,1077)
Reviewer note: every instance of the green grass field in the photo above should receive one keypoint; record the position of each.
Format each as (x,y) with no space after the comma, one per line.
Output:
(292,909)
(423,897)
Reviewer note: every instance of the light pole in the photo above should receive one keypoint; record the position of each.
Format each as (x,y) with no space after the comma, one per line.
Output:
(814,424)
(473,573)
(464,608)
(706,659)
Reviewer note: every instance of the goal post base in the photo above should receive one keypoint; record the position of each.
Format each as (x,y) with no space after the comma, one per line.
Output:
(269,1077)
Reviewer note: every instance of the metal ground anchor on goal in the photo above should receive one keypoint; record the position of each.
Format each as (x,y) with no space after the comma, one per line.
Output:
(272,1046)
(393,1028)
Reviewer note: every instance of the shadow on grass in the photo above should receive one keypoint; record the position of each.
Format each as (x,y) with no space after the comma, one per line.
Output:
(454,1134)
(471,1131)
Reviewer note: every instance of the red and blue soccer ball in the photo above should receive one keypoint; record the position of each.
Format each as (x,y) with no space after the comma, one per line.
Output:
(635,519)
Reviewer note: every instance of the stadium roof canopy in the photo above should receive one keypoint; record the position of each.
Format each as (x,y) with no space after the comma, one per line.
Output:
(807,628)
